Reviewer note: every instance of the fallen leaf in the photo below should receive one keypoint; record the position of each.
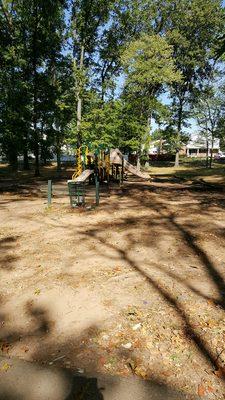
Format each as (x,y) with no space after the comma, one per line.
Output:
(25,349)
(139,371)
(124,372)
(167,373)
(127,346)
(137,343)
(210,389)
(136,327)
(174,357)
(201,390)
(5,367)
(102,361)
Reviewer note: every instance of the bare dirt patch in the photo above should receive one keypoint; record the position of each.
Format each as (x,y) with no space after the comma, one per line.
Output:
(136,286)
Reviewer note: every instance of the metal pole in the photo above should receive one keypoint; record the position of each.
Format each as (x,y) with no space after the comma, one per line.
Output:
(49,192)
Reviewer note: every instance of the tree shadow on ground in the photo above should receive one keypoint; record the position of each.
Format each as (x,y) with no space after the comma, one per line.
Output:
(164,217)
(7,247)
(68,383)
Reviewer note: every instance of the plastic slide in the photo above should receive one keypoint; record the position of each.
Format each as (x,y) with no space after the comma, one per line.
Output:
(82,177)
(116,158)
(134,171)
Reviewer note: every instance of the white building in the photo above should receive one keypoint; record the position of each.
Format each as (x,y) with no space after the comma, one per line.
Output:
(155,146)
(198,148)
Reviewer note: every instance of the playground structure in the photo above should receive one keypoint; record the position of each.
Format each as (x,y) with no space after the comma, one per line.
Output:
(103,165)
(90,166)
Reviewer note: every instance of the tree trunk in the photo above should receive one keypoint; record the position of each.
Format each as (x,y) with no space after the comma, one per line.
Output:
(79,102)
(37,163)
(211,153)
(26,166)
(138,160)
(34,65)
(160,145)
(102,88)
(13,158)
(58,157)
(207,154)
(179,124)
(43,155)
(177,158)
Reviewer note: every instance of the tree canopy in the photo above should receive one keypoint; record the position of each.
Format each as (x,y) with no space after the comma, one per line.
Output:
(75,71)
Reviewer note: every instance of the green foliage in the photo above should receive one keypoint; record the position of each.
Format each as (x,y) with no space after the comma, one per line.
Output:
(103,124)
(30,52)
(149,67)
(63,61)
(209,111)
(193,34)
(149,64)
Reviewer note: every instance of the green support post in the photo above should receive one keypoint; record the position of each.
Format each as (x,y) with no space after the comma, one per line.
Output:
(76,193)
(49,192)
(96,191)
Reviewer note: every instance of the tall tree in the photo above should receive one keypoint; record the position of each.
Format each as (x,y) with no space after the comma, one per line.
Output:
(209,111)
(43,21)
(12,107)
(32,32)
(149,67)
(87,20)
(195,26)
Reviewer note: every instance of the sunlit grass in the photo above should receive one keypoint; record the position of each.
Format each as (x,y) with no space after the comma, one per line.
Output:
(191,169)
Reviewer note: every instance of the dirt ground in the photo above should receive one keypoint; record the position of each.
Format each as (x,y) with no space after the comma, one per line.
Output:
(136,286)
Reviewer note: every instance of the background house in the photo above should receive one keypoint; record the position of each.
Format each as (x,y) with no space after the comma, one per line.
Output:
(198,148)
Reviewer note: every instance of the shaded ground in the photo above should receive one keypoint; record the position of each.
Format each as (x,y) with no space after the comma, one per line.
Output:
(135,287)
(48,383)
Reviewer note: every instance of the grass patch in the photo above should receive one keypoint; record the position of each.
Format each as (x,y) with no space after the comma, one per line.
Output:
(191,169)
(46,172)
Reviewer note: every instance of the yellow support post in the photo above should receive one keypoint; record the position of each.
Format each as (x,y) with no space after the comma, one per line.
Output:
(78,169)
(86,155)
